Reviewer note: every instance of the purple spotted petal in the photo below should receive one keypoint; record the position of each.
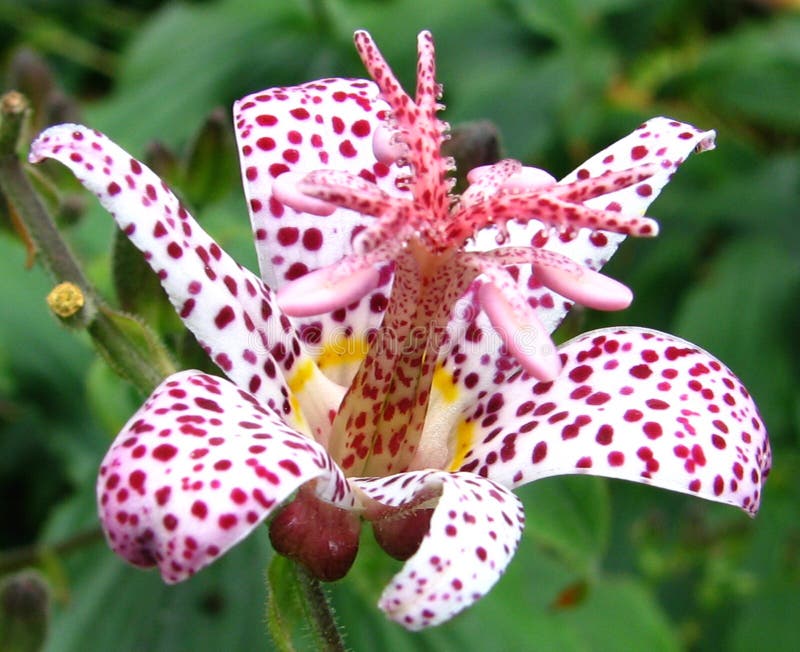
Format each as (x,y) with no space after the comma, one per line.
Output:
(630,403)
(197,468)
(660,142)
(328,124)
(231,312)
(473,534)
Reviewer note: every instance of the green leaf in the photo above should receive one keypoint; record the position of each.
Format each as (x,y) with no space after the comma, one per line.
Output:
(113,606)
(620,614)
(110,400)
(743,312)
(212,168)
(571,516)
(759,86)
(138,288)
(569,22)
(226,50)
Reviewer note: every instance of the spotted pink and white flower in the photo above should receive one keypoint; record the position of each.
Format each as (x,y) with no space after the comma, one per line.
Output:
(392,361)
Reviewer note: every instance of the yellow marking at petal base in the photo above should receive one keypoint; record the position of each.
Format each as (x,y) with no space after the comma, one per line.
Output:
(465,434)
(443,382)
(347,350)
(301,376)
(297,415)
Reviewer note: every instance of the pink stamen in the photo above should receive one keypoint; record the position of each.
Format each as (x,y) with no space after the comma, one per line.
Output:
(524,335)
(584,286)
(285,189)
(328,288)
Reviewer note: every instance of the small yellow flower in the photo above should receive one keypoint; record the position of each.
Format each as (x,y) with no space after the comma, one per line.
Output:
(65,299)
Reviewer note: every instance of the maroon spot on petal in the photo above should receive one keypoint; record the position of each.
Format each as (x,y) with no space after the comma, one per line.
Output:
(640,371)
(480,551)
(162,495)
(378,303)
(581,373)
(312,239)
(719,485)
(227,521)
(719,442)
(539,452)
(290,466)
(199,509)
(296,270)
(638,152)
(605,435)
(616,458)
(656,404)
(266,120)
(652,430)
(164,452)
(346,149)
(238,496)
(170,522)
(698,455)
(113,188)
(288,235)
(265,143)
(224,317)
(598,398)
(136,480)
(208,404)
(632,415)
(584,463)
(361,128)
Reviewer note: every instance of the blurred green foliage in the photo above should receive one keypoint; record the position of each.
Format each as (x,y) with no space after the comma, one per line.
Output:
(602,566)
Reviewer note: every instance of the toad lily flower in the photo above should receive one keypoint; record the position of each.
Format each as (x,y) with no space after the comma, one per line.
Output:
(403,374)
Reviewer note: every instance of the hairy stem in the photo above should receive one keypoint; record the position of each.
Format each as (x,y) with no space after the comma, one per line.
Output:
(298,606)
(144,366)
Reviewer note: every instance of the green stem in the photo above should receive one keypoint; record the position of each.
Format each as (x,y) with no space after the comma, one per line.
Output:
(56,256)
(143,362)
(297,601)
(318,610)
(18,558)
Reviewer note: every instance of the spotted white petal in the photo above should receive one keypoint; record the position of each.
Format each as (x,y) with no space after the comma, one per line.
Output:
(660,145)
(231,312)
(328,124)
(630,403)
(197,468)
(474,532)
